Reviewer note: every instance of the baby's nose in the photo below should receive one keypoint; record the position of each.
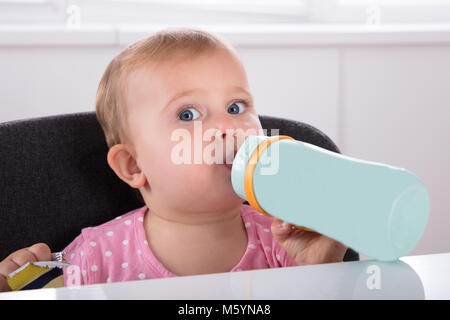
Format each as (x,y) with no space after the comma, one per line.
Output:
(224,124)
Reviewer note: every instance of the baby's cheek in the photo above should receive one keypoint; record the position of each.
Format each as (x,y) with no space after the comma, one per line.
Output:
(188,184)
(184,175)
(197,174)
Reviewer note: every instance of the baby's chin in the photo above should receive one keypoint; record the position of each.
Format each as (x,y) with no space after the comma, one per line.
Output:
(223,202)
(222,194)
(214,197)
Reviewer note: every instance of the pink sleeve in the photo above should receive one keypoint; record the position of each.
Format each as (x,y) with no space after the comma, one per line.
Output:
(77,254)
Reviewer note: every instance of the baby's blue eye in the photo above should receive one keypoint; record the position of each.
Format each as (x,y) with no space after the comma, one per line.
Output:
(188,114)
(234,108)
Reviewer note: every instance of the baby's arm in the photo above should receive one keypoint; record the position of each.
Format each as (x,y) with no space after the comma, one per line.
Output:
(37,252)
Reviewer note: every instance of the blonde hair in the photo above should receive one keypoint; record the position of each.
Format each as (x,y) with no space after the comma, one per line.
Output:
(163,45)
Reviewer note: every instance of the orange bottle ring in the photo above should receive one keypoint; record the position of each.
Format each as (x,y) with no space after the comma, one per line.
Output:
(248,178)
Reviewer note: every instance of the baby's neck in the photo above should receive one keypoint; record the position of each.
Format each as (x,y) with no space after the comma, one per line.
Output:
(207,243)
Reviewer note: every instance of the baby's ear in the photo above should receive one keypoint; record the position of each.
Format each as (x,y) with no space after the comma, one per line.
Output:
(122,162)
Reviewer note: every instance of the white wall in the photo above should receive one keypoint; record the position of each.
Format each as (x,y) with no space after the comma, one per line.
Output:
(395,108)
(381,96)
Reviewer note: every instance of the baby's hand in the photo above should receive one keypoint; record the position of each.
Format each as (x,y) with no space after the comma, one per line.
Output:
(37,252)
(307,247)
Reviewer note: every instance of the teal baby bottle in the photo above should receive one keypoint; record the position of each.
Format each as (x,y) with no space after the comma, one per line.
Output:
(378,210)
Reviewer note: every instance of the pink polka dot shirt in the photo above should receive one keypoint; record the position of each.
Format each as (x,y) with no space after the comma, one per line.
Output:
(118,250)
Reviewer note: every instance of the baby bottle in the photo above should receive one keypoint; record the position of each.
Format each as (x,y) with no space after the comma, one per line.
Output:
(378,210)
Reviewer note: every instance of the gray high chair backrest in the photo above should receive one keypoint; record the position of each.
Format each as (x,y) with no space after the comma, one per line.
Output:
(55,180)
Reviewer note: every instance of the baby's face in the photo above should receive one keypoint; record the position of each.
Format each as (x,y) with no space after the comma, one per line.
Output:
(197,99)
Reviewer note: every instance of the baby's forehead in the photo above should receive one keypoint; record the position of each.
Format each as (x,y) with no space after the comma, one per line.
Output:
(150,73)
(138,87)
(156,81)
(165,75)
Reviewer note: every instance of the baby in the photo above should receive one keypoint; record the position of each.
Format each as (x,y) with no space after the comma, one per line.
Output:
(178,80)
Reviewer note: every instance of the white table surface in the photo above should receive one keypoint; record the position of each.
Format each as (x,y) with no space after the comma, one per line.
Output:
(412,277)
